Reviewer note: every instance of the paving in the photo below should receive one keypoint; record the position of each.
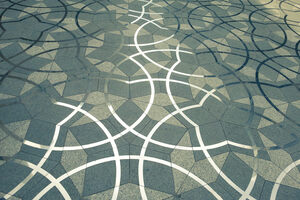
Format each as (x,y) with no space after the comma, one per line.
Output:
(150,99)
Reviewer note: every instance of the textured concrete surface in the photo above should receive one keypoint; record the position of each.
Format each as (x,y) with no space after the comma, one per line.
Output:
(138,99)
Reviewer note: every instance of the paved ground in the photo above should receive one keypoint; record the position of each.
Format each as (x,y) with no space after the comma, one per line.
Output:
(138,99)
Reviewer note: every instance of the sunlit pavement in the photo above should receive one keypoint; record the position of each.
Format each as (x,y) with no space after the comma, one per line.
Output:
(138,99)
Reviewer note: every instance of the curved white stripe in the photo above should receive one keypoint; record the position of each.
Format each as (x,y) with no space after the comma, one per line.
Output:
(47,175)
(197,129)
(159,65)
(176,81)
(152,3)
(111,140)
(280,178)
(115,137)
(128,157)
(147,20)
(253,178)
(162,144)
(152,43)
(47,154)
(142,13)
(150,13)
(145,145)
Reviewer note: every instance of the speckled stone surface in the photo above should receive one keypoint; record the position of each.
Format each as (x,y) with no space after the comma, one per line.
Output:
(149,99)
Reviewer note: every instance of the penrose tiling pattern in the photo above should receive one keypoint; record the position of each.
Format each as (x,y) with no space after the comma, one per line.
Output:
(158,99)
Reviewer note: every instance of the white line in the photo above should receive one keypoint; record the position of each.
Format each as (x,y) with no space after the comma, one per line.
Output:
(159,65)
(128,157)
(112,142)
(152,3)
(197,129)
(151,43)
(150,13)
(149,59)
(47,175)
(147,20)
(162,144)
(170,146)
(253,178)
(142,13)
(47,154)
(176,81)
(280,178)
